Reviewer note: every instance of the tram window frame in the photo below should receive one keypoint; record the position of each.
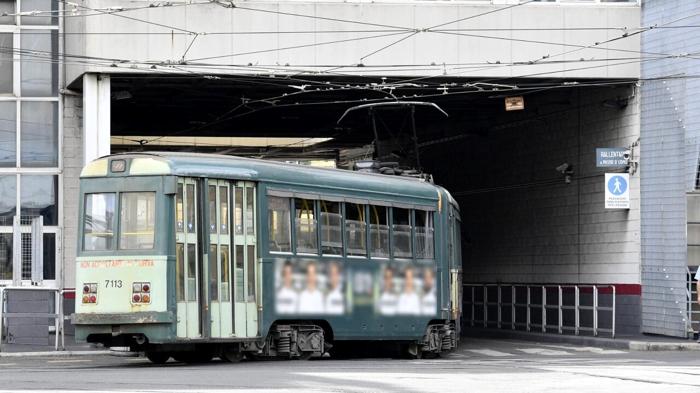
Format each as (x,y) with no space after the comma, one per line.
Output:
(311,246)
(396,252)
(352,207)
(329,249)
(212,191)
(375,210)
(284,220)
(150,198)
(111,243)
(429,221)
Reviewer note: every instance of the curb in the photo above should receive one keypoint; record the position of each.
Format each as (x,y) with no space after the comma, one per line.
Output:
(601,342)
(54,354)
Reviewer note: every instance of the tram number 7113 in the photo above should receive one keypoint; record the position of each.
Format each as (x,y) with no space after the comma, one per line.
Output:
(113,283)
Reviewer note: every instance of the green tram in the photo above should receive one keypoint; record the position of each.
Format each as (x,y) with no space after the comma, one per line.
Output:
(193,256)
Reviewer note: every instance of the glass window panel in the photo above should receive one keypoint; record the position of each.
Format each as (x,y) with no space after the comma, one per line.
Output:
(8,129)
(180,271)
(179,213)
(379,231)
(189,202)
(402,233)
(238,210)
(7,7)
(39,134)
(331,228)
(278,224)
(5,256)
(98,225)
(240,262)
(251,273)
(191,273)
(39,63)
(45,18)
(305,226)
(223,210)
(49,256)
(355,229)
(211,204)
(213,271)
(137,215)
(425,231)
(225,263)
(8,199)
(249,210)
(39,197)
(6,71)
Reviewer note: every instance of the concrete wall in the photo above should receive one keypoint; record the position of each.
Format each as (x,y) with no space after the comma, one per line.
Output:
(522,223)
(72,165)
(670,132)
(310,41)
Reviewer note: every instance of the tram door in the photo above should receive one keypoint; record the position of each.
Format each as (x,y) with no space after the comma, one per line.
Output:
(187,264)
(244,261)
(219,258)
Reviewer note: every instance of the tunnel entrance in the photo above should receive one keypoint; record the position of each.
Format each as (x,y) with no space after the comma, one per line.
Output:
(531,195)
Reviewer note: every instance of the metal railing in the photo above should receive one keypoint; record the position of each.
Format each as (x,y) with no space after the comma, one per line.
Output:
(57,313)
(541,307)
(692,305)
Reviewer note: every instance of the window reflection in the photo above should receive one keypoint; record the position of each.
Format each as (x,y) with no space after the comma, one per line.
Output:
(5,60)
(8,198)
(39,77)
(8,128)
(44,19)
(7,7)
(39,134)
(39,197)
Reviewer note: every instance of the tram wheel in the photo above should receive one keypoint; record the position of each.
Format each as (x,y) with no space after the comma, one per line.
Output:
(158,357)
(231,355)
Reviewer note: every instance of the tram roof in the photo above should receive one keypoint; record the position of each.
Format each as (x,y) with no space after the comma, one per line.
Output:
(230,167)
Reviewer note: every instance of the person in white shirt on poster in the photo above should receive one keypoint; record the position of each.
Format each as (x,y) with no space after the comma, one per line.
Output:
(388,300)
(335,304)
(409,303)
(287,299)
(311,299)
(429,300)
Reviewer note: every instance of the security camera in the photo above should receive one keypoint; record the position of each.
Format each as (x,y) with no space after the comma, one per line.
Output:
(627,154)
(563,168)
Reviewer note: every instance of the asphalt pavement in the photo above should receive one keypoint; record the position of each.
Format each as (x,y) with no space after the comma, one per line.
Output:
(478,365)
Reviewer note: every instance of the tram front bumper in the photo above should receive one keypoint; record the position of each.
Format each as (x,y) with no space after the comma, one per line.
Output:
(134,318)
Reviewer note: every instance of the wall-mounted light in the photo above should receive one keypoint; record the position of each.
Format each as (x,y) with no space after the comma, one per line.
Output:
(515,103)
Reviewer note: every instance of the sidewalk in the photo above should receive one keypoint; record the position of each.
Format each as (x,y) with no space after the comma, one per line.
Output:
(640,342)
(71,349)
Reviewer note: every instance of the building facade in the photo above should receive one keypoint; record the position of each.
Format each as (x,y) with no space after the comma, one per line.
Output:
(83,73)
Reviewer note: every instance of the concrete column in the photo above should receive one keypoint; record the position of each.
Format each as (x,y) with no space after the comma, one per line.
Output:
(96,116)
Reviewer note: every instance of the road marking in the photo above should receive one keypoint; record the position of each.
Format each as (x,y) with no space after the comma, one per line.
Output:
(69,361)
(8,364)
(490,352)
(543,351)
(597,350)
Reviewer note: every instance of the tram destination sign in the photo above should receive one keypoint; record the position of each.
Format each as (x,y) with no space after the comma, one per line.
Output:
(611,157)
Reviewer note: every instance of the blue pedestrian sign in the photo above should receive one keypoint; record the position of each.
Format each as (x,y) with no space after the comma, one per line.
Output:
(617,193)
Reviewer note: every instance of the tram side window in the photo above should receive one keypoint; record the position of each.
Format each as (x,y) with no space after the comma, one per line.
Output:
(180,271)
(305,226)
(278,224)
(212,209)
(179,216)
(425,235)
(98,228)
(355,229)
(190,208)
(401,229)
(138,216)
(331,228)
(379,231)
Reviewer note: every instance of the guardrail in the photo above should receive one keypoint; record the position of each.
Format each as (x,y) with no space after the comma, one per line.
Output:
(57,315)
(531,306)
(692,305)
